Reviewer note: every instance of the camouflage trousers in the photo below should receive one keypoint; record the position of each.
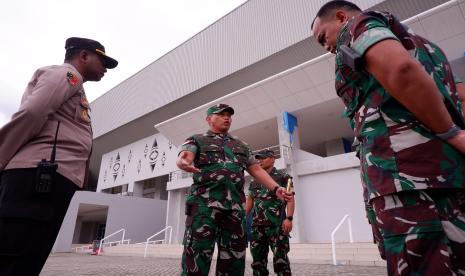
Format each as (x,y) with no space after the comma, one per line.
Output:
(422,232)
(207,226)
(263,238)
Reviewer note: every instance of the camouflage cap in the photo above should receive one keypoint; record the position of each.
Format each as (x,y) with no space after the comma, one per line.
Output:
(220,108)
(264,154)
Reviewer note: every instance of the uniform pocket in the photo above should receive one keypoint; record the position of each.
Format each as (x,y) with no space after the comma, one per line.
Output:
(190,208)
(241,156)
(210,155)
(415,219)
(234,231)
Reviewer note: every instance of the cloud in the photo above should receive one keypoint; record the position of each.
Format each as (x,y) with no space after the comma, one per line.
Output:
(134,32)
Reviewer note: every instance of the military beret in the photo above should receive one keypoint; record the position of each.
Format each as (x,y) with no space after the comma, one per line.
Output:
(220,108)
(91,45)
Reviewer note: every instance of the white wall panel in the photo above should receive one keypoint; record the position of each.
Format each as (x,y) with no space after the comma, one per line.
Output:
(308,96)
(150,157)
(454,47)
(141,217)
(444,24)
(416,27)
(298,81)
(324,198)
(254,31)
(322,72)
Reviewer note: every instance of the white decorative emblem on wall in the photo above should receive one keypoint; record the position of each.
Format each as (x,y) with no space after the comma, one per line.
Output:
(163,159)
(116,167)
(147,158)
(153,154)
(146,150)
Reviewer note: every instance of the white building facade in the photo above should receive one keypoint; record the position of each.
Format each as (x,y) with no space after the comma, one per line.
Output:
(262,60)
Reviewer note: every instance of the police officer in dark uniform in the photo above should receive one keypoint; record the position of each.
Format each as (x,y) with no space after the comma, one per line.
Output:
(44,155)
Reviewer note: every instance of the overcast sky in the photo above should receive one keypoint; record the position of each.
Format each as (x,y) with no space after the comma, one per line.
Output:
(136,33)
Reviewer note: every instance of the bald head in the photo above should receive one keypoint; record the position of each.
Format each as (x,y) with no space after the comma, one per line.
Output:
(330,19)
(331,7)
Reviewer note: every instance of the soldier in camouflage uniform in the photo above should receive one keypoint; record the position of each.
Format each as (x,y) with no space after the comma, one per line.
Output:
(215,202)
(403,104)
(268,231)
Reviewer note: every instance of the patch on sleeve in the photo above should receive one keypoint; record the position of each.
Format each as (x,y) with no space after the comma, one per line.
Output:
(72,78)
(188,141)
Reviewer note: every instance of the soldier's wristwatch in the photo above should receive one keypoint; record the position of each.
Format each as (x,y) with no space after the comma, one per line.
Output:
(452,132)
(290,218)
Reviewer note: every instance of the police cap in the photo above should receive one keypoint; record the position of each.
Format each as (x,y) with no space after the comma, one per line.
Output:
(91,45)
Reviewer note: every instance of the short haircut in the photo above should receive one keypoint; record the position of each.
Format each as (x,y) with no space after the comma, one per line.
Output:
(72,53)
(329,7)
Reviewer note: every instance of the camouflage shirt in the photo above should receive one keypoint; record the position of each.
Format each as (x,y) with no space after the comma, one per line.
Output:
(267,206)
(397,152)
(222,160)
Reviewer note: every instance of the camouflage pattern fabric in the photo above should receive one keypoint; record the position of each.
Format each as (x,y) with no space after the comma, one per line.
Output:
(399,155)
(377,237)
(263,238)
(222,160)
(205,226)
(266,228)
(267,206)
(423,232)
(215,205)
(397,152)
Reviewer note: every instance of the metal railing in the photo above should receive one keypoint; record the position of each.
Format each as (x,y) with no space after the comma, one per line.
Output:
(112,234)
(113,243)
(147,242)
(333,243)
(82,248)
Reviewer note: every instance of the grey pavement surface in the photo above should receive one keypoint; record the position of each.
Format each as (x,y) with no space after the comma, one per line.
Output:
(64,264)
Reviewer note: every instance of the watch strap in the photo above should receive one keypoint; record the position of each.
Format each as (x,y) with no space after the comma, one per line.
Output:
(453,131)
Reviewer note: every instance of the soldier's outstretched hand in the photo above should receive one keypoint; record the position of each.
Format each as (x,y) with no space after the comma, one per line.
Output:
(189,168)
(185,162)
(281,193)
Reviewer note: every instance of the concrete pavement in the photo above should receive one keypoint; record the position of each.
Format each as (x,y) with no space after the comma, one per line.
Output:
(70,264)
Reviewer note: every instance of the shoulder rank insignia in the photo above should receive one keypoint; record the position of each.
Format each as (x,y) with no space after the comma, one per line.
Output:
(72,79)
